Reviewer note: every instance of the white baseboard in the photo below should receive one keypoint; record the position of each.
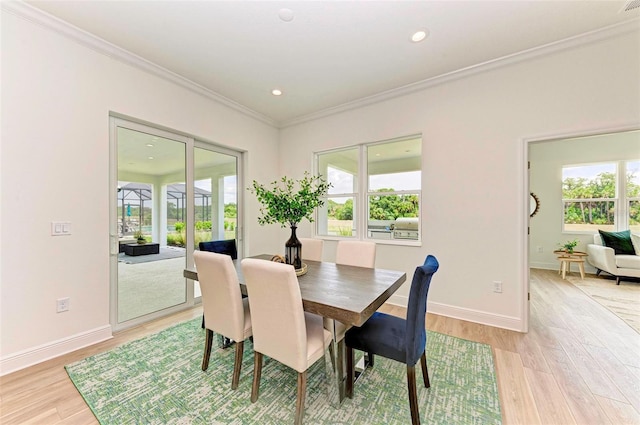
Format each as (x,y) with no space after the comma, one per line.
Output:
(32,356)
(400,300)
(588,268)
(544,266)
(475,316)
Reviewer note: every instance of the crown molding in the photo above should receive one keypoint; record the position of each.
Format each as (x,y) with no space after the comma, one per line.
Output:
(39,17)
(547,49)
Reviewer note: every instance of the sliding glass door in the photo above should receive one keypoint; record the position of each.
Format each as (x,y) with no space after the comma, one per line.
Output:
(215,196)
(169,193)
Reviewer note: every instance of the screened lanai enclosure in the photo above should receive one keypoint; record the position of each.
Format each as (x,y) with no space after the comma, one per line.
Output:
(154,197)
(136,209)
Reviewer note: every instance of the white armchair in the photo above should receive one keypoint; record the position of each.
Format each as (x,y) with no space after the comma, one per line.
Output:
(605,259)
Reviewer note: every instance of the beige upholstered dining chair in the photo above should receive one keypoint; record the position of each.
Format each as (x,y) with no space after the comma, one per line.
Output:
(351,253)
(312,249)
(276,304)
(225,311)
(356,253)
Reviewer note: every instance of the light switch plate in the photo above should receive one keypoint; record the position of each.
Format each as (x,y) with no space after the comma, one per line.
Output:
(60,228)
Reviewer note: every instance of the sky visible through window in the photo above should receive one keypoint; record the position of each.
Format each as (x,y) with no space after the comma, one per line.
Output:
(592,171)
(230,188)
(589,172)
(342,182)
(396,181)
(634,167)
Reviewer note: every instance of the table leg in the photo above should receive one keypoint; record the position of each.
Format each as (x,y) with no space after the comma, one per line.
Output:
(335,368)
(563,266)
(581,267)
(333,388)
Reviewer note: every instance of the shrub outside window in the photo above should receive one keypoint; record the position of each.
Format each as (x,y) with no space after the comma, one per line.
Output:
(591,201)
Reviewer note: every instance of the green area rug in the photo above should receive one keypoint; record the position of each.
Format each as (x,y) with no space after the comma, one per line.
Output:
(158,380)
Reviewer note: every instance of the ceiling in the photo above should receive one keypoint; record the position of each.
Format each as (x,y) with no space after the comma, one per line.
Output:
(332,53)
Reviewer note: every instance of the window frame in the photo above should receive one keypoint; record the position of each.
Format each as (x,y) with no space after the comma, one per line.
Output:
(621,202)
(362,195)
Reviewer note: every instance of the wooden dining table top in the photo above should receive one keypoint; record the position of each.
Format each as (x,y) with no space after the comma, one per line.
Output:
(347,294)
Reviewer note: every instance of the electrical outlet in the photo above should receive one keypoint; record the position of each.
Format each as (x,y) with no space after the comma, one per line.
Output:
(497,286)
(62,304)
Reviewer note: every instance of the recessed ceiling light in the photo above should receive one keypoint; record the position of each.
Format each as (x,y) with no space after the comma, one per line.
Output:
(150,157)
(285,14)
(418,36)
(149,145)
(276,92)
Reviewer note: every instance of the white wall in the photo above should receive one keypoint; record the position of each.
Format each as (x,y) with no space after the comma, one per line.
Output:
(56,100)
(473,130)
(547,159)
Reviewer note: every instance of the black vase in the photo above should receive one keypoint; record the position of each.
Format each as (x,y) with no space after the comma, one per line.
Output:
(293,250)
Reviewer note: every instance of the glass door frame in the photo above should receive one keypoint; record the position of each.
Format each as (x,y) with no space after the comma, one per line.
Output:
(190,143)
(198,144)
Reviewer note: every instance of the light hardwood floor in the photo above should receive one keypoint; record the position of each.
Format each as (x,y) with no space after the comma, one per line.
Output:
(579,364)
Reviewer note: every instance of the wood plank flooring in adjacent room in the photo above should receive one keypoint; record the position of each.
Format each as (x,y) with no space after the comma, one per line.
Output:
(579,364)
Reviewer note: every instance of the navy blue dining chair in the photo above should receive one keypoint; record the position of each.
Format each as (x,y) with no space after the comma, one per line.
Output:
(402,340)
(226,246)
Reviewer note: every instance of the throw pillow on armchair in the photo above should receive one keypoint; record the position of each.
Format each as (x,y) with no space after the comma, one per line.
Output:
(619,241)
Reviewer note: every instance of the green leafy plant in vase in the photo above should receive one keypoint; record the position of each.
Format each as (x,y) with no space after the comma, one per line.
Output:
(568,246)
(287,202)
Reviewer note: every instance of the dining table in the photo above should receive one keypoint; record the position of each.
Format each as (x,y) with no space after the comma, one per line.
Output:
(346,294)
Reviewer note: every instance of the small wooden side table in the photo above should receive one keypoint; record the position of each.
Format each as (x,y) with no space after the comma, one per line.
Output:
(567,258)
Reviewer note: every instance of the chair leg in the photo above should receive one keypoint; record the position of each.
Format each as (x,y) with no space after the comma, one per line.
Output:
(350,373)
(413,395)
(302,391)
(425,372)
(370,357)
(208,340)
(340,365)
(257,372)
(237,365)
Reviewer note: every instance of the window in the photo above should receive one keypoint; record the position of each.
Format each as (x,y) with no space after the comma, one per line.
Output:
(603,196)
(340,168)
(633,195)
(388,208)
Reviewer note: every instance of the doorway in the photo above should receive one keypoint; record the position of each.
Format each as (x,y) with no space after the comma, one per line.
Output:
(170,192)
(553,222)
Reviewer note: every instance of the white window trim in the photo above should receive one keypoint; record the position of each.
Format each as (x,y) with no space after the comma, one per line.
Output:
(621,201)
(361,199)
